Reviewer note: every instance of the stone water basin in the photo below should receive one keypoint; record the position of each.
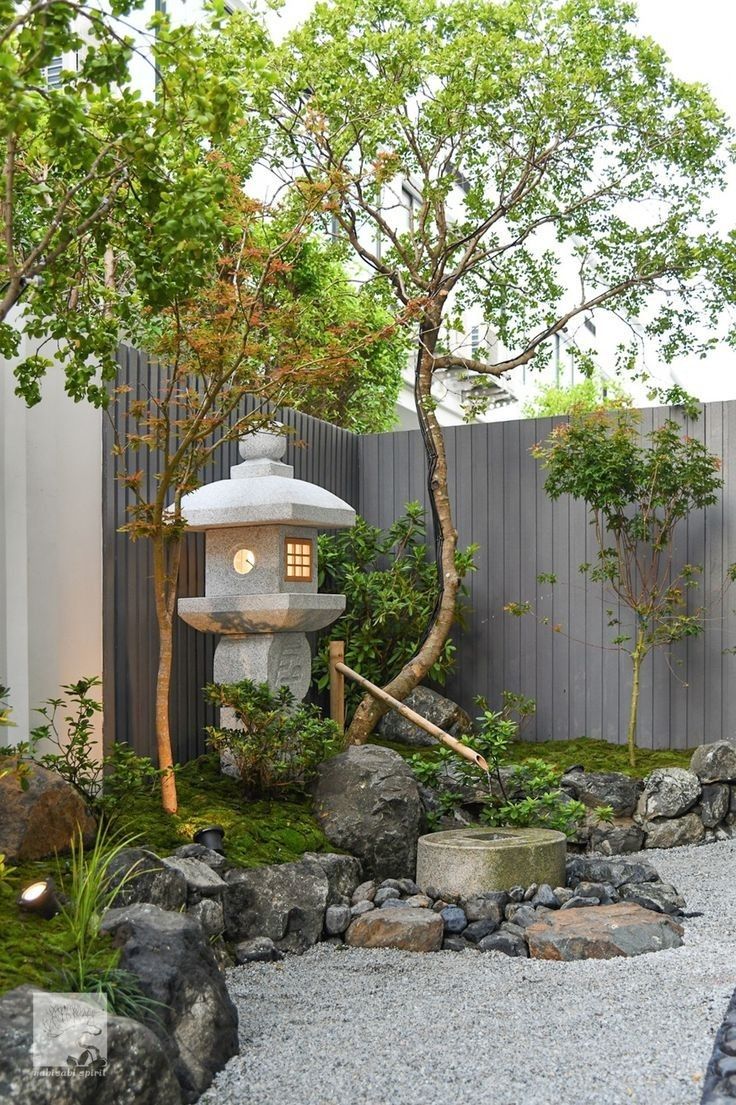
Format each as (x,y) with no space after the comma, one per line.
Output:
(464,862)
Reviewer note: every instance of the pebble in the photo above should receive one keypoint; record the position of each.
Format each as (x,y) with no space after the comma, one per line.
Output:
(454,919)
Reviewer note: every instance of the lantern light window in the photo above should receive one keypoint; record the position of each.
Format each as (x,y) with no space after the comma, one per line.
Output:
(299,559)
(244,561)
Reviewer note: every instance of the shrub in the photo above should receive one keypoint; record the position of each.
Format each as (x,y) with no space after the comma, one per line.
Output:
(390,585)
(279,745)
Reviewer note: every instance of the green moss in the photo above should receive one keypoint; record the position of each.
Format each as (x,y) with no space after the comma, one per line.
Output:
(256,833)
(595,755)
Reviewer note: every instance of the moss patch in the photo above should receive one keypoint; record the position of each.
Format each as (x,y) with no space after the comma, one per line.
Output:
(256,833)
(595,755)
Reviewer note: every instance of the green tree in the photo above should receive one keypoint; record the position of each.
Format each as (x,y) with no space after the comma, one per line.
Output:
(475,153)
(587,395)
(637,494)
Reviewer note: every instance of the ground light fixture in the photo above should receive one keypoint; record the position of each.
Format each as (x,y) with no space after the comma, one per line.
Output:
(210,837)
(40,898)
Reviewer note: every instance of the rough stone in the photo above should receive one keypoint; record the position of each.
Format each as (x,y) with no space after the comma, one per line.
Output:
(419,901)
(454,943)
(384,893)
(714,803)
(604,788)
(623,929)
(413,930)
(210,915)
(142,877)
(343,874)
(563,894)
(434,707)
(454,919)
(201,880)
(613,871)
(623,835)
(196,1021)
(42,819)
(393,903)
(285,901)
(468,862)
(668,792)
(366,892)
(530,892)
(261,949)
(484,906)
(205,855)
(362,906)
(505,942)
(546,896)
(138,1070)
(715,763)
(367,802)
(578,901)
(408,886)
(603,891)
(658,896)
(337,919)
(672,832)
(477,930)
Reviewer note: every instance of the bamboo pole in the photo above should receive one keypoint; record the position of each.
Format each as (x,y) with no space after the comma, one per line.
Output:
(406,711)
(337,684)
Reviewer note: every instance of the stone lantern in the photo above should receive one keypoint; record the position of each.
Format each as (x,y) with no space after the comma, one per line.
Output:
(261,566)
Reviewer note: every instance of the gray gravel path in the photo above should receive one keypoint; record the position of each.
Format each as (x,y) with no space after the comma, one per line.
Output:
(352,1026)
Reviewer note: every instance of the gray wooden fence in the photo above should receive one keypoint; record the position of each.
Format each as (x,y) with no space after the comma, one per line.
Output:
(579,682)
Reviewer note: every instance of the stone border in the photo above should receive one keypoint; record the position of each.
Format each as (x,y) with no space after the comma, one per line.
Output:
(720,1076)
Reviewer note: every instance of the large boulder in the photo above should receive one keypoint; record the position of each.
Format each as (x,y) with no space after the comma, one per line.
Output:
(715,763)
(622,836)
(668,792)
(405,927)
(175,967)
(674,832)
(42,819)
(714,803)
(141,876)
(138,1071)
(606,932)
(201,880)
(604,788)
(613,871)
(285,902)
(367,803)
(343,874)
(442,712)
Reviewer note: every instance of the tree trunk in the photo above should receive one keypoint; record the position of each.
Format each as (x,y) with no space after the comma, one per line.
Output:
(165,571)
(637,657)
(370,710)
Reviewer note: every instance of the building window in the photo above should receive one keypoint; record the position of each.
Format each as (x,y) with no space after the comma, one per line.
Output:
(299,559)
(244,561)
(53,72)
(590,325)
(474,341)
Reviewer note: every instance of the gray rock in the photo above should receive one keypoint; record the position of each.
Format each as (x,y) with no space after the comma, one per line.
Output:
(196,1021)
(41,819)
(419,901)
(515,930)
(603,891)
(530,892)
(563,894)
(210,915)
(504,942)
(714,803)
(384,893)
(454,919)
(201,880)
(434,707)
(671,833)
(715,763)
(546,896)
(343,874)
(286,902)
(524,916)
(367,802)
(204,855)
(516,894)
(579,902)
(614,871)
(623,835)
(362,906)
(477,930)
(366,892)
(142,877)
(659,896)
(390,884)
(409,887)
(490,905)
(138,1070)
(454,943)
(337,919)
(604,788)
(261,949)
(393,903)
(668,792)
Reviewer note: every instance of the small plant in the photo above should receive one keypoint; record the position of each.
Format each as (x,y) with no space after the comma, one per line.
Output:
(280,743)
(544,804)
(5,872)
(75,760)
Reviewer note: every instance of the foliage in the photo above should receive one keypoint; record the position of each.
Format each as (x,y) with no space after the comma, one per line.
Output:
(280,744)
(390,587)
(76,760)
(589,394)
(637,493)
(5,872)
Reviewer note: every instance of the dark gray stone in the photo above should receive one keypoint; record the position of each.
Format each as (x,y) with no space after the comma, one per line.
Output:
(476,930)
(365,892)
(343,874)
(614,871)
(482,906)
(393,903)
(384,893)
(408,887)
(618,838)
(546,896)
(210,915)
(603,891)
(659,896)
(454,943)
(715,763)
(674,832)
(434,707)
(504,942)
(196,1021)
(668,792)
(261,949)
(563,894)
(367,802)
(204,855)
(138,1070)
(604,788)
(579,902)
(454,919)
(363,906)
(142,877)
(201,880)
(714,802)
(337,919)
(525,915)
(285,902)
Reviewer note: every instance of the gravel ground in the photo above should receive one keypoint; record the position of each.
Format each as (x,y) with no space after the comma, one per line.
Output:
(352,1026)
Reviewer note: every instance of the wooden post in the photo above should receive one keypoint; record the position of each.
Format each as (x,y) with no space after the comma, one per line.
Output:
(337,684)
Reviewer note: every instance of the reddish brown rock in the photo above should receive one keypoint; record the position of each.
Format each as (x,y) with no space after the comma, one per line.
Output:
(42,819)
(406,927)
(624,929)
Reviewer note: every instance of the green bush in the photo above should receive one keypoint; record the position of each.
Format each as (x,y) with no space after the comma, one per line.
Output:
(280,744)
(390,585)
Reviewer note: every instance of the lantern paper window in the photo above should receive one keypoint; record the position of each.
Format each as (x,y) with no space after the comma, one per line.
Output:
(244,561)
(298,560)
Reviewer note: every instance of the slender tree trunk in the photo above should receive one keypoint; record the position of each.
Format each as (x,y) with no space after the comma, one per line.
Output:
(637,656)
(370,711)
(165,571)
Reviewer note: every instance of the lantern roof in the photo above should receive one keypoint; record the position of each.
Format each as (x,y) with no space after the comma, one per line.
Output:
(262,491)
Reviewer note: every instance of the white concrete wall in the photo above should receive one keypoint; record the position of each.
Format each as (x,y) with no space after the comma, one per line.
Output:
(50,546)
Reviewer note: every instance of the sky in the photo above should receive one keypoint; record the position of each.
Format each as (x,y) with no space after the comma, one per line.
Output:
(700,38)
